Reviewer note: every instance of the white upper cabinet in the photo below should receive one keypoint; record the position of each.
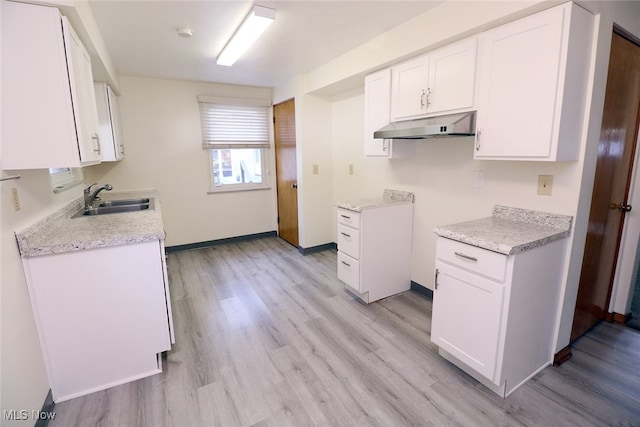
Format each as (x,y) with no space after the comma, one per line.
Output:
(409,88)
(377,99)
(533,85)
(49,116)
(109,119)
(441,81)
(452,77)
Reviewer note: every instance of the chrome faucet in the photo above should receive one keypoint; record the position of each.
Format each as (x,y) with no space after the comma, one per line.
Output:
(90,197)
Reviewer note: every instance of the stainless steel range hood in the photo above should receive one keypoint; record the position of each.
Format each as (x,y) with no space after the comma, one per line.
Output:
(462,124)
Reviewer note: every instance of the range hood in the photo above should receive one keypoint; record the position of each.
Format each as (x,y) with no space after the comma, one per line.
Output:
(462,124)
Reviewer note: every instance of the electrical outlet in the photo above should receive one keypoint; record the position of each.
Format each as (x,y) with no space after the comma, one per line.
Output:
(350,169)
(314,169)
(15,198)
(545,185)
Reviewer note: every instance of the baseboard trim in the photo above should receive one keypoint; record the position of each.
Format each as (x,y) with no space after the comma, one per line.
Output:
(209,243)
(417,287)
(562,356)
(319,248)
(47,412)
(620,319)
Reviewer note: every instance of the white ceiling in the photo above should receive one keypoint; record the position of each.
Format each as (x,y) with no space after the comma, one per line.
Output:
(141,36)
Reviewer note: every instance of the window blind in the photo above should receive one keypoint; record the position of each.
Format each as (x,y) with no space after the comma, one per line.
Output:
(234,126)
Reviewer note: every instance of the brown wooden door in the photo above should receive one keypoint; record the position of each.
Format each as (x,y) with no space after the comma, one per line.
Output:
(286,171)
(611,187)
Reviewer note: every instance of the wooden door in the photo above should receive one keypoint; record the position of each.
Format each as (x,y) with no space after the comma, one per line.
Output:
(286,170)
(611,186)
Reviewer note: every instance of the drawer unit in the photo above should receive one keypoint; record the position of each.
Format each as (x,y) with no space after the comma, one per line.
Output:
(349,241)
(476,260)
(349,218)
(349,271)
(374,250)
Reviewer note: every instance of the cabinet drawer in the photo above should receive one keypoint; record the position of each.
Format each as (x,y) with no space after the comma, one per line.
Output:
(471,258)
(350,218)
(349,241)
(349,270)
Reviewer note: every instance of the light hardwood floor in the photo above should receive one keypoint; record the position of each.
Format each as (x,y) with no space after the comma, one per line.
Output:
(268,337)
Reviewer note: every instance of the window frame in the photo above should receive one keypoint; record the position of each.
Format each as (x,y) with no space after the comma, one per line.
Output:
(246,186)
(265,151)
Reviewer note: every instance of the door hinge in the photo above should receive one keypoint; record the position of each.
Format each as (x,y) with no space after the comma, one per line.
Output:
(278,220)
(274,120)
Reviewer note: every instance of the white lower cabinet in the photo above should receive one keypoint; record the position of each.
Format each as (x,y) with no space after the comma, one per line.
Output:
(374,250)
(103,315)
(494,315)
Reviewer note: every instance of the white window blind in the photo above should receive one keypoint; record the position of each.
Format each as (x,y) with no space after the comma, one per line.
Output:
(228,125)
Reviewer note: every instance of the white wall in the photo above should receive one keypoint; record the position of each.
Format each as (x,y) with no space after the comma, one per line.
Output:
(163,150)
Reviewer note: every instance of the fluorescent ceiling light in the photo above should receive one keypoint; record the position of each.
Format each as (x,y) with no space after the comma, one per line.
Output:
(247,33)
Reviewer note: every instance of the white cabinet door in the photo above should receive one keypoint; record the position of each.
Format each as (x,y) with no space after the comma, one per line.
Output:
(377,104)
(82,96)
(102,315)
(452,77)
(49,116)
(409,88)
(109,118)
(467,317)
(533,86)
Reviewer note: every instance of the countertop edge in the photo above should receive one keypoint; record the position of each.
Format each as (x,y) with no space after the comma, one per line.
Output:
(61,219)
(500,247)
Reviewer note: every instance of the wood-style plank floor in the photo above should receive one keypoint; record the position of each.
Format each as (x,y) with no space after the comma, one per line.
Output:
(268,337)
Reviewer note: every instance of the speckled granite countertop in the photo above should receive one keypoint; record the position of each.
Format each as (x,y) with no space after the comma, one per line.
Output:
(509,230)
(389,197)
(58,232)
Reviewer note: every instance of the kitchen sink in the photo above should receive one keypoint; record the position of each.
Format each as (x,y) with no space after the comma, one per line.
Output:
(116,206)
(122,202)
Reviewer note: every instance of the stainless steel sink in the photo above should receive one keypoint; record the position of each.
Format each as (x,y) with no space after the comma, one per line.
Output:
(116,206)
(123,202)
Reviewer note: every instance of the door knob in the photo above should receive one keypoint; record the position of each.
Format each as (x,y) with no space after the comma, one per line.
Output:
(621,207)
(294,185)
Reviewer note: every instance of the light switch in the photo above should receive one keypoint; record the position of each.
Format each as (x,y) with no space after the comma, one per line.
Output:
(314,169)
(545,185)
(350,168)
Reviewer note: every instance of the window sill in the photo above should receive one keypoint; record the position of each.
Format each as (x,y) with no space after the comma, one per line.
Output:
(60,188)
(234,190)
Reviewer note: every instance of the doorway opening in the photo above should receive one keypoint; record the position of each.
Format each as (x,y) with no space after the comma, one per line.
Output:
(612,181)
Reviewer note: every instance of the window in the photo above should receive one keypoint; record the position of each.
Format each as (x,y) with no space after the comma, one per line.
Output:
(236,134)
(64,178)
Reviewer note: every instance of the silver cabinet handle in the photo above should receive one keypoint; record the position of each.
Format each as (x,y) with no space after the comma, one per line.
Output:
(345,216)
(423,98)
(470,258)
(345,234)
(437,273)
(347,264)
(428,97)
(96,137)
(478,133)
